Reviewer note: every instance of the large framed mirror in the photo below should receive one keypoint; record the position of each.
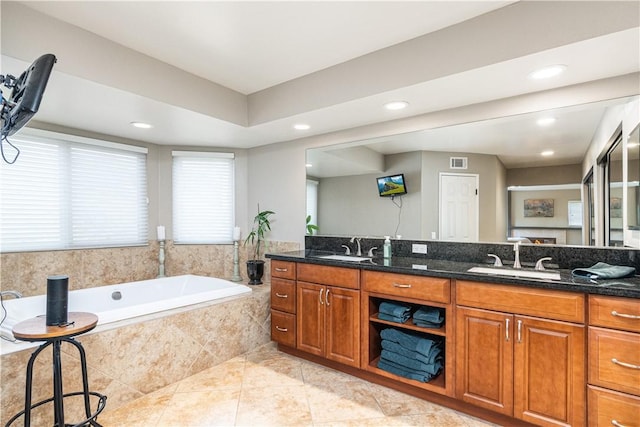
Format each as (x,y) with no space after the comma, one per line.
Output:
(508,156)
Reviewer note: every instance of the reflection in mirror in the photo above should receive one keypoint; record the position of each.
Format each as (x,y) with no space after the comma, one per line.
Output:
(633,179)
(504,153)
(613,173)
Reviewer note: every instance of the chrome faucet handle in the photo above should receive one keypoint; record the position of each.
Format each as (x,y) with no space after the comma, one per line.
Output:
(357,240)
(497,262)
(539,263)
(370,253)
(516,249)
(347,250)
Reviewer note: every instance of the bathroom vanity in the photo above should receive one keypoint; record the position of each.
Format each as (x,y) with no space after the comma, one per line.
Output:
(516,350)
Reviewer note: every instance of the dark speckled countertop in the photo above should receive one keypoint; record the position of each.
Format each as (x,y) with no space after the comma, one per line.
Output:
(628,287)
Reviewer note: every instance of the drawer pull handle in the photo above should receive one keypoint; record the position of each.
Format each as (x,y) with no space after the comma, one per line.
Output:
(519,331)
(320,296)
(282,329)
(626,316)
(282,295)
(626,365)
(617,424)
(282,270)
(326,298)
(506,329)
(400,285)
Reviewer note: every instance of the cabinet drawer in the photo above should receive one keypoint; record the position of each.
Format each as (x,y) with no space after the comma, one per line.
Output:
(405,285)
(614,359)
(612,312)
(558,305)
(331,276)
(606,406)
(283,269)
(283,295)
(283,328)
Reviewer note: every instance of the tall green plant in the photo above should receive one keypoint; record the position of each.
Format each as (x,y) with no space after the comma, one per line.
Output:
(261,226)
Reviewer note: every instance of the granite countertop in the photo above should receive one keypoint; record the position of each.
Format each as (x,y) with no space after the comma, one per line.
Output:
(628,287)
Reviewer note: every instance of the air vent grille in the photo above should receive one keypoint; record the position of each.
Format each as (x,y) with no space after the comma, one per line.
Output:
(458,162)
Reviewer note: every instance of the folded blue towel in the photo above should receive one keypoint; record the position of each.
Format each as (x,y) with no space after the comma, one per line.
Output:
(397,370)
(395,310)
(390,318)
(397,348)
(413,364)
(424,324)
(408,341)
(429,314)
(603,270)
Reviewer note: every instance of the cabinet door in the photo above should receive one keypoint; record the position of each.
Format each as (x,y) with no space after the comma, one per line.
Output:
(310,320)
(484,359)
(343,326)
(549,372)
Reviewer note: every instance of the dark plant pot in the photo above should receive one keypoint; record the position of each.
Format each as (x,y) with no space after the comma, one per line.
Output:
(255,271)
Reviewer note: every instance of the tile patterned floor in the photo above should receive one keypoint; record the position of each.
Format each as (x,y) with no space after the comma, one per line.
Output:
(270,388)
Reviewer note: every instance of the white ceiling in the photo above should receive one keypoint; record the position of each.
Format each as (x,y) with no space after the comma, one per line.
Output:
(289,62)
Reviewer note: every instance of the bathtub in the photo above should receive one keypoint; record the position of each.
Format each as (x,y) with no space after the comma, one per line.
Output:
(118,305)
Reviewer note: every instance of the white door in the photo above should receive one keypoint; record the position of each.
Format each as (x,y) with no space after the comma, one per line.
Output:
(459,218)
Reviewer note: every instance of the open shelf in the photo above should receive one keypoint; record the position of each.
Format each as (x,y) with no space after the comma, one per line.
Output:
(409,325)
(437,384)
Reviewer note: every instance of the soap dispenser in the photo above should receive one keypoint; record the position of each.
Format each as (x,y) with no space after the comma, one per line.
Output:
(386,248)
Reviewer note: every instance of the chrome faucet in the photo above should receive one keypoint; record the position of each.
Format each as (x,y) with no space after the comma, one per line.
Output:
(357,240)
(14,294)
(539,263)
(516,249)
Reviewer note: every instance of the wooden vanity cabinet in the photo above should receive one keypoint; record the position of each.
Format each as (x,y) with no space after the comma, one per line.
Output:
(283,302)
(414,291)
(329,297)
(614,361)
(508,361)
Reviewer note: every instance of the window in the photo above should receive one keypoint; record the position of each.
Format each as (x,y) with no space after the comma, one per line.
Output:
(203,197)
(67,192)
(312,200)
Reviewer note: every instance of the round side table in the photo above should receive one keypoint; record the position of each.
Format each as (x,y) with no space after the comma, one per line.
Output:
(36,330)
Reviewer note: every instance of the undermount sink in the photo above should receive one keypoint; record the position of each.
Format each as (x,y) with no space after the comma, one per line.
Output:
(532,274)
(345,258)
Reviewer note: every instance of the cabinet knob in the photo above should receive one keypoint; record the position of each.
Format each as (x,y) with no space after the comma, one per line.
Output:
(626,316)
(282,295)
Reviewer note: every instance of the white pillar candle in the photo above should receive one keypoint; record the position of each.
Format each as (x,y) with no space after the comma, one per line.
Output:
(161,232)
(236,234)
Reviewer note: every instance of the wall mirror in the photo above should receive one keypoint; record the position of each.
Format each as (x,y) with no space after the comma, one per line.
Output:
(516,180)
(632,233)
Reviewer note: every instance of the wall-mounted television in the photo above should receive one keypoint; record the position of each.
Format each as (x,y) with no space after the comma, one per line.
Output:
(391,185)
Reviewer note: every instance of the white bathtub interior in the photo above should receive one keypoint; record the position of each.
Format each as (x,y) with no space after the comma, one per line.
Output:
(122,304)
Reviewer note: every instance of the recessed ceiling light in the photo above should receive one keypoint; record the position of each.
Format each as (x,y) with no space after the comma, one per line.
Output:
(141,125)
(632,145)
(301,126)
(546,121)
(547,72)
(308,165)
(396,105)
(547,153)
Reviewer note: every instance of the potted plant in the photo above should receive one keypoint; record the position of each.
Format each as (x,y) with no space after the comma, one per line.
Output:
(255,265)
(311,228)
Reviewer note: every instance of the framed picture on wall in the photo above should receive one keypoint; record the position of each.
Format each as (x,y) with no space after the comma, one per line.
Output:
(538,207)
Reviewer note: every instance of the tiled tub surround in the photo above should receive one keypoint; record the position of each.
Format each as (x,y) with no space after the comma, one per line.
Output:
(27,272)
(136,359)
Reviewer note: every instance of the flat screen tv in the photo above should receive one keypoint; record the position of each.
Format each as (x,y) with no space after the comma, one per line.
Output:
(26,94)
(392,185)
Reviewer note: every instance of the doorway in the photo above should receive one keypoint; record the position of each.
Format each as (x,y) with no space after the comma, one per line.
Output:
(459,217)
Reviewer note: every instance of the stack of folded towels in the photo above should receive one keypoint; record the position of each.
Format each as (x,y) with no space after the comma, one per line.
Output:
(429,317)
(394,312)
(409,355)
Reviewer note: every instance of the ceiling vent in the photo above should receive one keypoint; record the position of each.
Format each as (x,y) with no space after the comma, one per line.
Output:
(458,162)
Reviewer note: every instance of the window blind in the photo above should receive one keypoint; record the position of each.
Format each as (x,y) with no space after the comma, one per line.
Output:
(64,195)
(203,197)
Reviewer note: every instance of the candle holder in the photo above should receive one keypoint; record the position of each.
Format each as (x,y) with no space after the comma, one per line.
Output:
(236,260)
(161,259)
